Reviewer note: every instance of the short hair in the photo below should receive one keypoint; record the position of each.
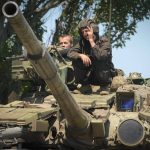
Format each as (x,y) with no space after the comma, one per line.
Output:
(67,35)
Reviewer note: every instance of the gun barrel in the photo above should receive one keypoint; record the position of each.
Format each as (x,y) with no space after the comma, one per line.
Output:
(43,64)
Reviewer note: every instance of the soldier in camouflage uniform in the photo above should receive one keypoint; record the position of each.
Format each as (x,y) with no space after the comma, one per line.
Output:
(92,57)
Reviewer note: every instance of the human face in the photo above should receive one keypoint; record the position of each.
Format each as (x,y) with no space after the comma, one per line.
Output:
(84,32)
(65,42)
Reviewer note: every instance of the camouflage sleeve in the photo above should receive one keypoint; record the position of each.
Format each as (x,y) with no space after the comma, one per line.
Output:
(74,52)
(102,49)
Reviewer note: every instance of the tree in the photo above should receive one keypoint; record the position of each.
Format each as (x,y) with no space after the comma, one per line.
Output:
(118,16)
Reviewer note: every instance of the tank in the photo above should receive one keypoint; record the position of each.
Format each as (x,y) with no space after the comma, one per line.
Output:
(119,120)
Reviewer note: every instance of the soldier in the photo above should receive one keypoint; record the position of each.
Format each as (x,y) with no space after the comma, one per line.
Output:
(92,59)
(66,42)
(59,53)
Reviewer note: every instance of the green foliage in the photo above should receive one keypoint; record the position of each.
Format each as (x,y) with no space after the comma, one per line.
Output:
(124,16)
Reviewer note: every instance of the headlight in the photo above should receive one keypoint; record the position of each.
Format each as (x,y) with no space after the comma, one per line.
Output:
(130,132)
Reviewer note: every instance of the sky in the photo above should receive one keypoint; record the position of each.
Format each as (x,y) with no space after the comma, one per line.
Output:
(134,57)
